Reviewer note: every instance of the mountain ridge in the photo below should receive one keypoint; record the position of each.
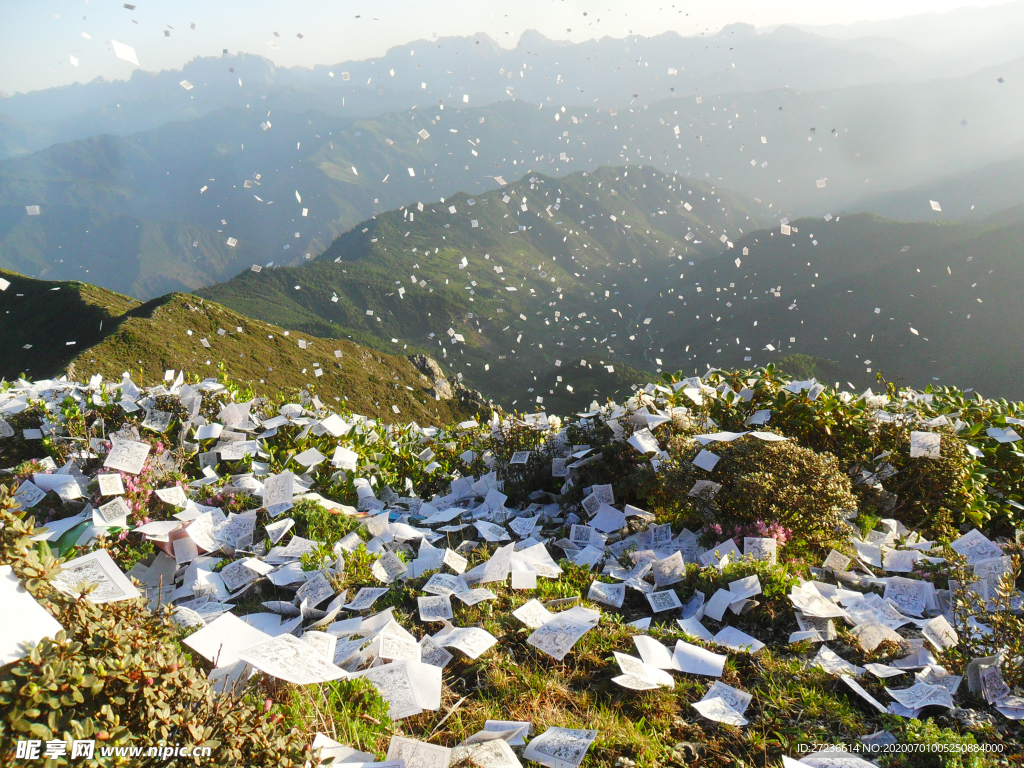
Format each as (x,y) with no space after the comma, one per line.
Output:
(113,334)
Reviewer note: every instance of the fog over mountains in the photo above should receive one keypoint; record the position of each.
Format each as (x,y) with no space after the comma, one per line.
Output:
(604,72)
(180,180)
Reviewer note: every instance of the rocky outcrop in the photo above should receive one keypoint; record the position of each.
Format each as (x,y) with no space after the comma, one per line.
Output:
(441,387)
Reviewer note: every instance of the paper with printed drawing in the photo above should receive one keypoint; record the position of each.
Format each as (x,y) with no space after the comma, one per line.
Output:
(277,530)
(315,590)
(922,695)
(909,595)
(388,568)
(418,754)
(29,494)
(444,584)
(557,637)
(560,747)
(113,514)
(322,642)
(435,608)
(237,575)
(365,598)
(477,595)
(666,600)
(408,687)
(829,661)
(992,570)
(396,642)
(472,641)
(940,633)
(872,608)
(669,570)
(289,658)
(110,484)
(608,594)
(836,561)
(498,566)
(633,667)
(433,654)
(455,561)
(533,614)
(127,456)
(719,552)
(765,549)
(985,679)
(870,634)
(976,546)
(724,704)
(494,753)
(175,496)
(97,568)
(278,492)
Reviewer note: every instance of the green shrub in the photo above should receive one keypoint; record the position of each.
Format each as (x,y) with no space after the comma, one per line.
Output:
(933,496)
(779,484)
(116,674)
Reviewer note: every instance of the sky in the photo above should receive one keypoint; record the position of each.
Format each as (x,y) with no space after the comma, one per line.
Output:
(40,40)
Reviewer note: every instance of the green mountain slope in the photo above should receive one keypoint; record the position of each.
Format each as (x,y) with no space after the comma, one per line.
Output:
(45,325)
(504,284)
(971,195)
(625,297)
(84,330)
(922,302)
(283,193)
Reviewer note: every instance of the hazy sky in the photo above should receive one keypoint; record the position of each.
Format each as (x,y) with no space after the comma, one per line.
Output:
(39,37)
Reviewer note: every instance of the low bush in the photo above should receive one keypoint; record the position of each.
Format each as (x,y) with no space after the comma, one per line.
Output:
(116,674)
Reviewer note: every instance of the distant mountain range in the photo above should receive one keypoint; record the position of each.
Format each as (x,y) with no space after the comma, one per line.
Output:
(633,70)
(79,330)
(968,196)
(605,277)
(963,38)
(224,176)
(843,300)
